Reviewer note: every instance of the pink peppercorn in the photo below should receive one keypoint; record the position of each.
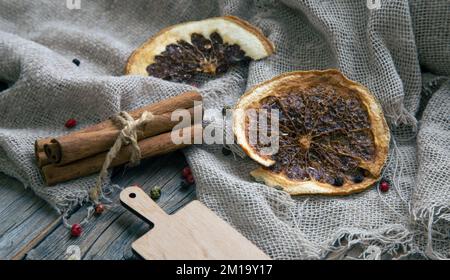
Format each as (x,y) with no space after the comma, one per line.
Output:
(76,230)
(384,186)
(71,123)
(186,172)
(190,179)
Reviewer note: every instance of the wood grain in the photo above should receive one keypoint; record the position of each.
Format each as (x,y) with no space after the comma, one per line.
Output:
(25,219)
(109,236)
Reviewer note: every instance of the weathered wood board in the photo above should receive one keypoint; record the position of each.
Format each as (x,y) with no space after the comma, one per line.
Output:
(110,235)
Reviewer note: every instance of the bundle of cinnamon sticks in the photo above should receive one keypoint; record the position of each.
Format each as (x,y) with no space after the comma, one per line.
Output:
(83,152)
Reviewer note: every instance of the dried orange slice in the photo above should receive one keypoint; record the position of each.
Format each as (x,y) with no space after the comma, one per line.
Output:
(333,138)
(210,46)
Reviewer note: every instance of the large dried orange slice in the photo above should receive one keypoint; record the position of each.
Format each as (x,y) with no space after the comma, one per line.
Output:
(333,138)
(180,52)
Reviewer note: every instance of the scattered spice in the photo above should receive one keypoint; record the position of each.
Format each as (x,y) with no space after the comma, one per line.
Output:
(384,186)
(155,193)
(186,171)
(70,123)
(99,208)
(76,230)
(76,61)
(190,179)
(358,178)
(187,176)
(338,182)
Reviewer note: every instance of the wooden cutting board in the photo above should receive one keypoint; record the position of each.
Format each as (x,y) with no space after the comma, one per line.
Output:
(193,233)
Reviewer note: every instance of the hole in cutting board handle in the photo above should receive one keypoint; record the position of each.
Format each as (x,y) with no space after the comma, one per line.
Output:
(134,195)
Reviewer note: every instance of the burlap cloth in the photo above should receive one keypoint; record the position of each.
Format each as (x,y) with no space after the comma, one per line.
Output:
(387,49)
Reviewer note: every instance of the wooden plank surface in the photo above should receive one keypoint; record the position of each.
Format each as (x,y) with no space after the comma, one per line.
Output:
(110,235)
(31,229)
(25,219)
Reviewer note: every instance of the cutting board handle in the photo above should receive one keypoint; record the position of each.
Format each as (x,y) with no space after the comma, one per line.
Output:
(138,202)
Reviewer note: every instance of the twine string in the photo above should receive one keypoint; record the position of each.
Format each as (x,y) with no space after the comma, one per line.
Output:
(128,136)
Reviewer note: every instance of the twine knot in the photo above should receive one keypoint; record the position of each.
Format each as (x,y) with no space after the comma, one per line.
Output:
(128,135)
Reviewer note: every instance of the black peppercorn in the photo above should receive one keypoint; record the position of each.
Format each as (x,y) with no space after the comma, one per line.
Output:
(338,182)
(76,62)
(358,178)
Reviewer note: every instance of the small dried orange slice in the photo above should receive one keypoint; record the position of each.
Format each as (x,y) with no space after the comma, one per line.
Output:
(333,138)
(180,52)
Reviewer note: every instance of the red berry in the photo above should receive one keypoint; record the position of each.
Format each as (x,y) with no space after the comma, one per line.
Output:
(186,171)
(71,123)
(99,208)
(76,230)
(384,186)
(190,179)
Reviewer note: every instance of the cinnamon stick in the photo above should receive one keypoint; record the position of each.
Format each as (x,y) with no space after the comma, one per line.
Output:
(182,101)
(41,157)
(69,148)
(152,146)
(39,145)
